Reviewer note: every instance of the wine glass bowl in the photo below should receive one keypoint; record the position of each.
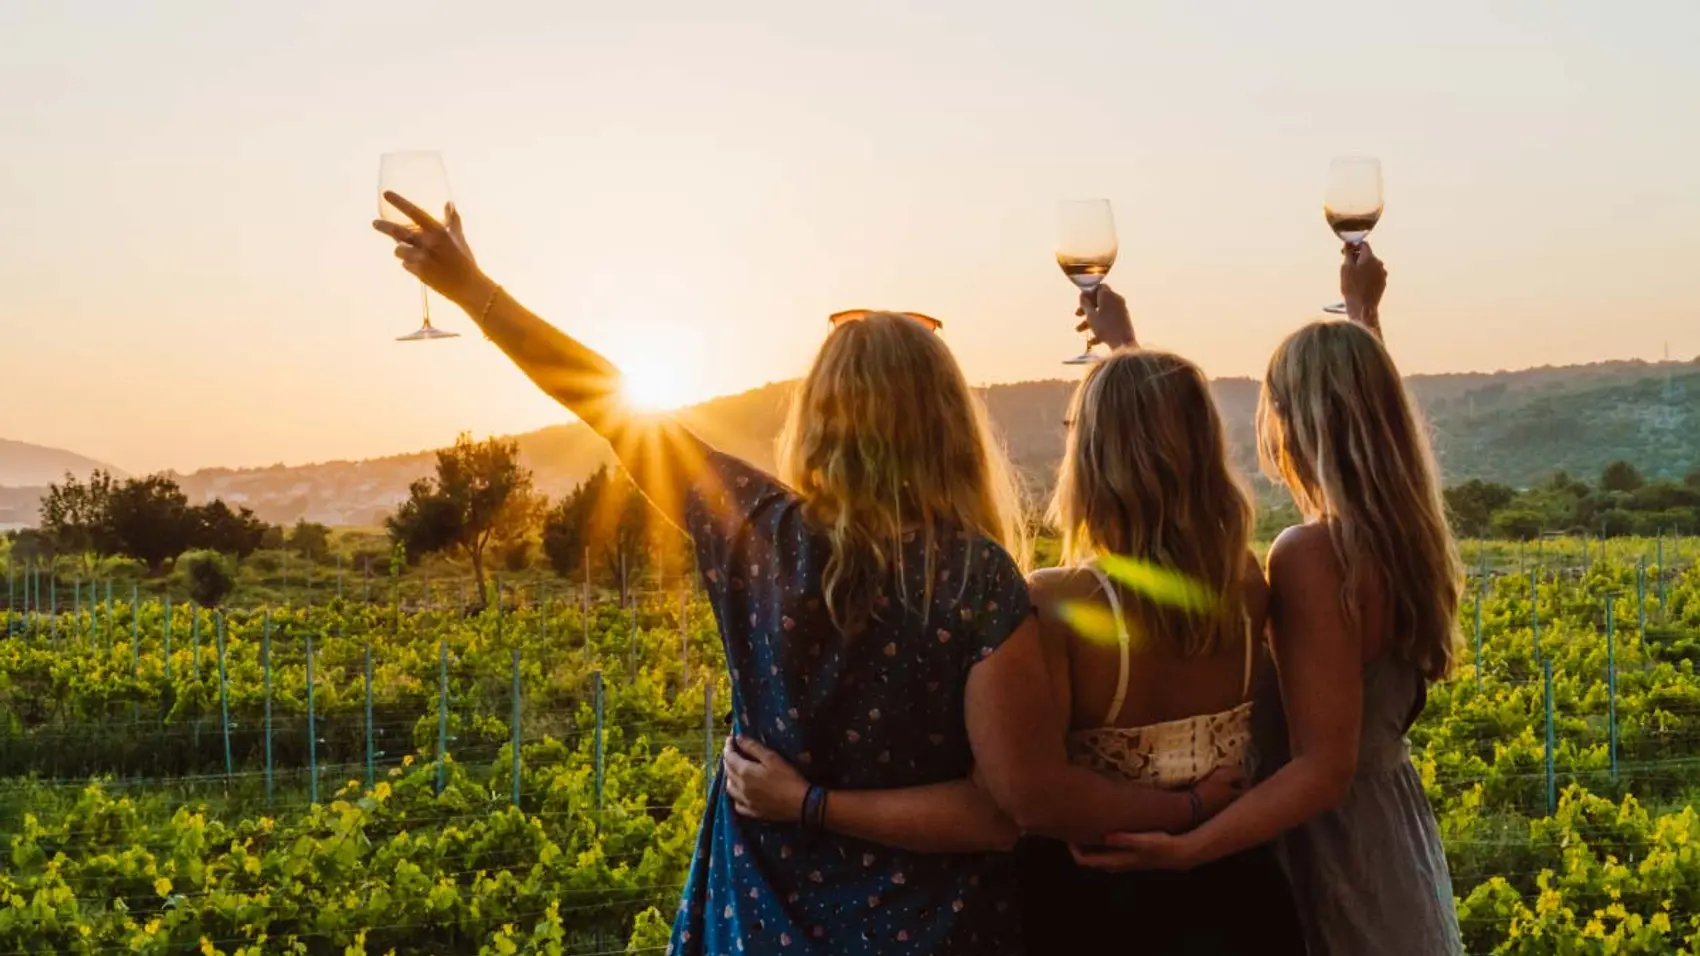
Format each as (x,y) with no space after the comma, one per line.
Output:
(1086,249)
(420,177)
(1352,202)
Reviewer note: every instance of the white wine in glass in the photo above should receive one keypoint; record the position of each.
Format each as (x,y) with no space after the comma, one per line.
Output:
(419,177)
(1352,203)
(1086,250)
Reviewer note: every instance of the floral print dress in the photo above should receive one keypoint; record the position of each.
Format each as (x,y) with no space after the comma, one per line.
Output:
(881,710)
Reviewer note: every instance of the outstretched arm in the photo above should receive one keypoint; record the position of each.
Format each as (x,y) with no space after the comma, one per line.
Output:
(952,817)
(1017,731)
(660,454)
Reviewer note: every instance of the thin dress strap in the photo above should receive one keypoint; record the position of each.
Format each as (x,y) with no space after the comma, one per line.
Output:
(1250,639)
(1122,639)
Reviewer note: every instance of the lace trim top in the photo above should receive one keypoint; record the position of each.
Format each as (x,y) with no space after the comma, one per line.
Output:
(1172,753)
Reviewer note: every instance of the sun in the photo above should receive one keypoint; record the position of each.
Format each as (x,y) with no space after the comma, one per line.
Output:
(651,388)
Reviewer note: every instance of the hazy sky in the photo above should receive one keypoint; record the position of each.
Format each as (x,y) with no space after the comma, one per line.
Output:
(187,276)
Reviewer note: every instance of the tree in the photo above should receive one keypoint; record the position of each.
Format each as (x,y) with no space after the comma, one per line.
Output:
(1519,524)
(566,526)
(310,539)
(480,493)
(74,515)
(427,522)
(150,520)
(239,533)
(1621,476)
(1472,505)
(1693,479)
(209,575)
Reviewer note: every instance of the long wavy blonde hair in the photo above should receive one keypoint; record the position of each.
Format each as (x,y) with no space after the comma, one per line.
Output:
(1335,425)
(885,438)
(1145,475)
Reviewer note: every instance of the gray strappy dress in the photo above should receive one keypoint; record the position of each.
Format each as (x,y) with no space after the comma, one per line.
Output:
(1369,876)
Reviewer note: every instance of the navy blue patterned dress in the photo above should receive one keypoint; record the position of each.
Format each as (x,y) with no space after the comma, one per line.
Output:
(881,710)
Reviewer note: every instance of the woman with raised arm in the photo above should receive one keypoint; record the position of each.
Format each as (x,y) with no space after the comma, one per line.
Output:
(1363,616)
(1152,629)
(877,631)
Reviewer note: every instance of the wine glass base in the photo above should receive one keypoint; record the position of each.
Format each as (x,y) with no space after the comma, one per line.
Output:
(427,333)
(1085,358)
(1336,308)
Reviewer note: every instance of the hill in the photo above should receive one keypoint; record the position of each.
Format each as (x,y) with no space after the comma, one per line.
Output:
(26,469)
(26,465)
(1514,427)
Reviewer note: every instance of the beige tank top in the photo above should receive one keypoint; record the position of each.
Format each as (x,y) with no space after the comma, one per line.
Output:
(1174,753)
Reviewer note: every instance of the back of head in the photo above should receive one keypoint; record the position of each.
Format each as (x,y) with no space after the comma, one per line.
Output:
(883,437)
(1145,474)
(1336,426)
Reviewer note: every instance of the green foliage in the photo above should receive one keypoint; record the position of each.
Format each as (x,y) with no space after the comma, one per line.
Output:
(480,493)
(1621,476)
(209,577)
(1471,507)
(149,519)
(310,539)
(237,533)
(176,853)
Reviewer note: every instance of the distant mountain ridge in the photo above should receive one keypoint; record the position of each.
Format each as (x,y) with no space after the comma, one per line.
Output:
(1513,427)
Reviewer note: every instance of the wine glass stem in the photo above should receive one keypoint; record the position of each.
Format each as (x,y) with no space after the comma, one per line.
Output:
(425,300)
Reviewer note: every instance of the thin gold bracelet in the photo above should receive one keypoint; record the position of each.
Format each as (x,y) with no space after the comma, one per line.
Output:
(489,303)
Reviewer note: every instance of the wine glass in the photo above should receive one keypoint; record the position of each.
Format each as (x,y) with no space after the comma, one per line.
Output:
(1352,203)
(418,176)
(1086,249)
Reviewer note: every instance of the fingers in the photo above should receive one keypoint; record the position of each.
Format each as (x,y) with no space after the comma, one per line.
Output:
(396,230)
(736,764)
(425,220)
(1084,325)
(757,752)
(1103,859)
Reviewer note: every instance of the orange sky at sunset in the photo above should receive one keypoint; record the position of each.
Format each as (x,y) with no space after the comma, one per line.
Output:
(187,277)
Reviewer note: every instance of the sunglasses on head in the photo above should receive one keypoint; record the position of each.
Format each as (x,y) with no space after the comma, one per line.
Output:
(857,315)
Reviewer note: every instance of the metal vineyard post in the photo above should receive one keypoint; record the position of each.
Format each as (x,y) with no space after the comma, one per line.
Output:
(195,637)
(1535,612)
(442,712)
(596,702)
(135,631)
(1611,679)
(312,731)
(266,669)
(224,698)
(370,776)
(1481,591)
(168,640)
(1552,783)
(513,729)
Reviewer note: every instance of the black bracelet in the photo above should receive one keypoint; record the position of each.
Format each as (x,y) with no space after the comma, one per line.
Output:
(1197,803)
(814,810)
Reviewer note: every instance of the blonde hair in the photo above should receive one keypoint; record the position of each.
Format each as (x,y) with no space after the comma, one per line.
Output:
(885,437)
(1335,425)
(1145,474)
